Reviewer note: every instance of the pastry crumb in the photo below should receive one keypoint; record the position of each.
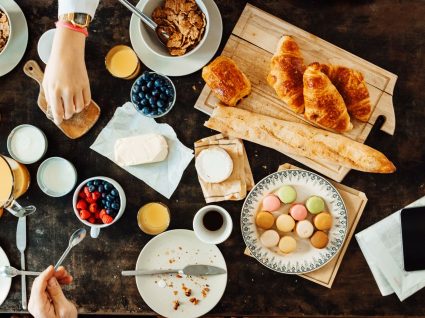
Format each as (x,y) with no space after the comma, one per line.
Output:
(176,304)
(194,300)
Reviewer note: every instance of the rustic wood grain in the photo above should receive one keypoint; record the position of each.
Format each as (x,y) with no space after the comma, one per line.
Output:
(385,32)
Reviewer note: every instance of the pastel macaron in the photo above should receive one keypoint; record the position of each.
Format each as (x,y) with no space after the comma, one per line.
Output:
(315,204)
(269,238)
(298,212)
(304,229)
(323,221)
(287,244)
(271,203)
(285,223)
(319,239)
(264,220)
(287,194)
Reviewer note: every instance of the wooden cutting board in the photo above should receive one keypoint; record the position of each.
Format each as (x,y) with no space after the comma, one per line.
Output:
(252,44)
(80,123)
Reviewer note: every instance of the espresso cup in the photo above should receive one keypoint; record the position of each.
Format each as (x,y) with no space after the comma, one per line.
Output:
(212,237)
(95,228)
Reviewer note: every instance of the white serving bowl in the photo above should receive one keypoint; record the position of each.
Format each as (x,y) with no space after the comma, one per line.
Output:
(10,29)
(150,39)
(95,228)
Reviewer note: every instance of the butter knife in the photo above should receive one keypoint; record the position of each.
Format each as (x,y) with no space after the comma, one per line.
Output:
(190,270)
(21,243)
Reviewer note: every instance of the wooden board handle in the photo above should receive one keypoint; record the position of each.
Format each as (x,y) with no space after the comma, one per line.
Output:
(385,108)
(33,70)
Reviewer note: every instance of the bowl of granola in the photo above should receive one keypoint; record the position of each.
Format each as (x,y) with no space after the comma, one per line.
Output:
(187,22)
(5,29)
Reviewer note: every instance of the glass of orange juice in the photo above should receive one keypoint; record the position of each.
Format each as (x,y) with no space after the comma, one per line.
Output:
(153,218)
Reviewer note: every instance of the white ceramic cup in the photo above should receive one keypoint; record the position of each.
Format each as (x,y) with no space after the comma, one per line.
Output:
(95,228)
(212,237)
(10,29)
(150,39)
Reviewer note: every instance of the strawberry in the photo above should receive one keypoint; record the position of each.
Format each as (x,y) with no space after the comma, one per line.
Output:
(107,219)
(96,195)
(87,192)
(92,220)
(82,195)
(81,205)
(102,213)
(93,208)
(84,214)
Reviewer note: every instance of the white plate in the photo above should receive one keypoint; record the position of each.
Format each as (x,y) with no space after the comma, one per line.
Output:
(182,248)
(305,258)
(5,282)
(182,65)
(19,40)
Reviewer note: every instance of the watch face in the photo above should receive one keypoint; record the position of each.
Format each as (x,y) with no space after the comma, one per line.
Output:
(81,19)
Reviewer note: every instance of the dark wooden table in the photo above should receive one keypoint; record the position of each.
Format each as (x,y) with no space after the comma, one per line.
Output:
(386,32)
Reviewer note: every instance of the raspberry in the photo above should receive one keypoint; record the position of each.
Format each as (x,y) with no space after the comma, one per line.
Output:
(84,214)
(96,195)
(90,200)
(107,219)
(87,192)
(82,195)
(96,215)
(81,205)
(93,208)
(92,220)
(102,213)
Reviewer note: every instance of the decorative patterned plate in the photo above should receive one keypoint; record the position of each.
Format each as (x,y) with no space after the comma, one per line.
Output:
(305,258)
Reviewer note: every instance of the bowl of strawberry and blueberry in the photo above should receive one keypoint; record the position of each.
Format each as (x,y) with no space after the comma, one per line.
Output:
(99,202)
(153,94)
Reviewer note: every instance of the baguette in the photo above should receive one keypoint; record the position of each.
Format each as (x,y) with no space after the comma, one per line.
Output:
(298,139)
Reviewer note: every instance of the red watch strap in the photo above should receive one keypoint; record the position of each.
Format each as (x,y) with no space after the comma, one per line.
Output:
(72,27)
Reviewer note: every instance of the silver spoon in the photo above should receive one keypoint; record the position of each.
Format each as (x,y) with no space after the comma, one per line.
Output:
(161,34)
(9,271)
(75,238)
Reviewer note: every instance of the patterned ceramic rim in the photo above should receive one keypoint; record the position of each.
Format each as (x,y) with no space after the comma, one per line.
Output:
(278,262)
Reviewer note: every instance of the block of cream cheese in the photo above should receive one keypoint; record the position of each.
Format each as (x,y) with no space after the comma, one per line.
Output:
(136,150)
(214,165)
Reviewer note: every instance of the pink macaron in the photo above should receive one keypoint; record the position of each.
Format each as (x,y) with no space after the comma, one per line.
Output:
(271,203)
(298,212)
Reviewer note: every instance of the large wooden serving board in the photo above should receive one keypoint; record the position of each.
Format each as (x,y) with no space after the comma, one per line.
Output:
(252,44)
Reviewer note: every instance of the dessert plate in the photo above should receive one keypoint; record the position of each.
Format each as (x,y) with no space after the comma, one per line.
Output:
(5,282)
(181,65)
(176,249)
(19,39)
(305,258)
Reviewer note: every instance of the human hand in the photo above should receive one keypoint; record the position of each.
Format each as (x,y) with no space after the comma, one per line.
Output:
(47,299)
(66,84)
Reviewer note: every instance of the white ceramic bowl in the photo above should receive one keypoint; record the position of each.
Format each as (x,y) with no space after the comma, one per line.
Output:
(10,29)
(212,237)
(95,228)
(150,39)
(68,178)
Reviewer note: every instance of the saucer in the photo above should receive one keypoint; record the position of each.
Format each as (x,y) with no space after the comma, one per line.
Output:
(183,65)
(5,282)
(18,43)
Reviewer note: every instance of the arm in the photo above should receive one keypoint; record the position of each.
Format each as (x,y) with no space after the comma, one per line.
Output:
(66,83)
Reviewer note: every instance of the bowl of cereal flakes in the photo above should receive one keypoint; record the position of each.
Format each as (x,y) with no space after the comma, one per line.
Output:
(5,29)
(187,22)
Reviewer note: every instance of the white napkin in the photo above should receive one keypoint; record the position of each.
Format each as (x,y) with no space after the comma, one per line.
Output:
(164,176)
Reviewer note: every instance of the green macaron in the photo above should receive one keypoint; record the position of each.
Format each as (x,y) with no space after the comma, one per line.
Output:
(287,194)
(315,205)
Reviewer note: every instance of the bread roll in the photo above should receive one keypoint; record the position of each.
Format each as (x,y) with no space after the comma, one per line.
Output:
(298,139)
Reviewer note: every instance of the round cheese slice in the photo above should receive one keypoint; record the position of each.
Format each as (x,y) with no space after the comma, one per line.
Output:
(214,165)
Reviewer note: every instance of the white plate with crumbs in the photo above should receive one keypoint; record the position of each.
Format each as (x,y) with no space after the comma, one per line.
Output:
(176,249)
(5,282)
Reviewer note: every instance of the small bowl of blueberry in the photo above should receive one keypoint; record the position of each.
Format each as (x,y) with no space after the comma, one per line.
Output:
(153,94)
(99,202)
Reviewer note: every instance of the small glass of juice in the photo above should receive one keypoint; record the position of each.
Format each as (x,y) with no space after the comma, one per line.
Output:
(153,218)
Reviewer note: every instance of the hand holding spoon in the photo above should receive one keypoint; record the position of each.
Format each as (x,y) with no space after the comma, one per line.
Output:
(9,271)
(75,239)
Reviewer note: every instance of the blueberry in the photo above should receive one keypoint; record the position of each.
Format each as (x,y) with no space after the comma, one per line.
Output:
(103,195)
(154,112)
(139,81)
(114,192)
(134,97)
(115,206)
(160,111)
(155,92)
(158,83)
(107,186)
(103,202)
(160,103)
(163,88)
(148,96)
(136,88)
(92,188)
(145,110)
(144,88)
(150,84)
(163,96)
(90,183)
(100,188)
(141,95)
(109,197)
(144,102)
(152,101)
(107,204)
(169,92)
